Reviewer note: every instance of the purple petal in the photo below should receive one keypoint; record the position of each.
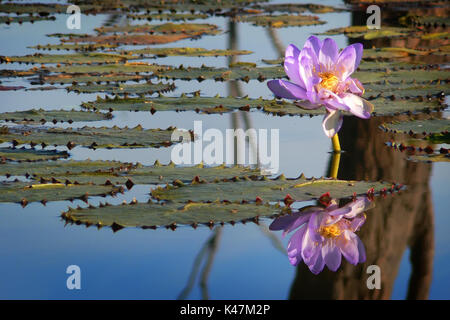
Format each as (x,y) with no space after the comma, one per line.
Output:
(332,255)
(348,246)
(340,211)
(313,43)
(328,54)
(304,218)
(291,64)
(357,222)
(286,89)
(355,86)
(361,250)
(359,53)
(357,207)
(294,247)
(317,267)
(357,105)
(345,64)
(309,249)
(332,123)
(287,221)
(307,105)
(306,73)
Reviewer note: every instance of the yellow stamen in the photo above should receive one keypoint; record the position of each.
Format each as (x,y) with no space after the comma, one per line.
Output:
(329,81)
(330,231)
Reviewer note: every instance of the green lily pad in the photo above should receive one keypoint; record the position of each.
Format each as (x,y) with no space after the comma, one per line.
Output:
(76,58)
(129,67)
(281,21)
(44,116)
(74,47)
(196,102)
(133,39)
(405,76)
(300,189)
(166,28)
(370,34)
(191,52)
(296,8)
(15,73)
(152,215)
(99,172)
(91,137)
(138,89)
(29,155)
(65,78)
(436,130)
(24,193)
(244,73)
(407,90)
(32,8)
(60,168)
(168,16)
(22,19)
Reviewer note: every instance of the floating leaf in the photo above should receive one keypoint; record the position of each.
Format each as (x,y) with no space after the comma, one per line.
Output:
(129,67)
(24,192)
(139,89)
(77,58)
(405,76)
(91,137)
(99,172)
(296,8)
(168,16)
(408,90)
(191,52)
(196,102)
(27,155)
(300,189)
(21,19)
(74,47)
(44,116)
(133,39)
(60,168)
(64,78)
(15,73)
(152,215)
(369,34)
(436,130)
(244,73)
(195,29)
(281,21)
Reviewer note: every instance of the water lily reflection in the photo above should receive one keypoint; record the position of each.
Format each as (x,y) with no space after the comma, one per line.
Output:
(324,234)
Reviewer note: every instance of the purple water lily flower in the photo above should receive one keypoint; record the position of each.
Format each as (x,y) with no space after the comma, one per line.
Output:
(325,234)
(320,76)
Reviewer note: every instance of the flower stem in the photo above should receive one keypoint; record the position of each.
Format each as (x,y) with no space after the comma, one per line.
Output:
(335,165)
(336,144)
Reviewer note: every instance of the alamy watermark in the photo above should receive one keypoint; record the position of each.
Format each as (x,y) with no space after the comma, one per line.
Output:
(374,280)
(74,280)
(374,20)
(213,147)
(74,20)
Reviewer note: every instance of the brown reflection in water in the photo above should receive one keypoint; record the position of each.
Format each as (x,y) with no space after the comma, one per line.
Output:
(396,223)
